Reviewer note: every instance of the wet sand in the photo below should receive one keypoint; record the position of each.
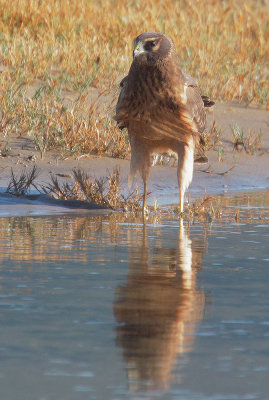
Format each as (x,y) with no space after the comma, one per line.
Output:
(237,171)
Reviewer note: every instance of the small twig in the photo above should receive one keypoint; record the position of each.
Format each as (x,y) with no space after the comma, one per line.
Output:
(208,171)
(264,152)
(225,172)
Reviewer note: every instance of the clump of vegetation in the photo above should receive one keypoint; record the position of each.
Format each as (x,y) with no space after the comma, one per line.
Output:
(79,129)
(104,191)
(250,143)
(253,142)
(238,137)
(212,138)
(4,149)
(203,209)
(20,185)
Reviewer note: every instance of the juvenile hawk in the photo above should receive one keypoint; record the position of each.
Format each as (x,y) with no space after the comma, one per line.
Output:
(162,108)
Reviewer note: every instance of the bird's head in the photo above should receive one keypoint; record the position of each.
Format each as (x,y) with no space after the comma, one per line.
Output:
(152,46)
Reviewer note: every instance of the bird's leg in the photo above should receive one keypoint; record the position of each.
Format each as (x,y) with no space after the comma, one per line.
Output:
(185,169)
(181,200)
(140,162)
(145,195)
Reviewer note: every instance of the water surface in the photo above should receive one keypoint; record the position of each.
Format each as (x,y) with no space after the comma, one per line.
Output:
(102,307)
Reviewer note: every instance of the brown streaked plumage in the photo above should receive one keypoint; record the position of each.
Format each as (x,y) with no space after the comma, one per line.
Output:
(161,107)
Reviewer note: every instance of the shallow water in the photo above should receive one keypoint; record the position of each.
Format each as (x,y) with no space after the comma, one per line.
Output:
(108,308)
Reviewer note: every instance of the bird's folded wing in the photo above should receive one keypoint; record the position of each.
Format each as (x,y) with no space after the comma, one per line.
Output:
(195,108)
(122,109)
(187,117)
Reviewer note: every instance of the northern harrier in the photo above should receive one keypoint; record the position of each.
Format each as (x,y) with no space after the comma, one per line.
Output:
(162,108)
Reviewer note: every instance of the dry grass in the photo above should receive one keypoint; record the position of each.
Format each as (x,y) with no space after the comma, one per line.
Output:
(52,125)
(105,191)
(251,142)
(211,138)
(81,43)
(21,185)
(65,48)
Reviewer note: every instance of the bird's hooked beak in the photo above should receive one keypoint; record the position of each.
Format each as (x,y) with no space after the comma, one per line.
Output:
(138,49)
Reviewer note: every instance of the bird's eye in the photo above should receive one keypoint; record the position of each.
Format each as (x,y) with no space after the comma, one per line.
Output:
(149,46)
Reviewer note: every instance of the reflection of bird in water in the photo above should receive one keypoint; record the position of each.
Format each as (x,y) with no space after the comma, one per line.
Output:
(157,310)
(162,108)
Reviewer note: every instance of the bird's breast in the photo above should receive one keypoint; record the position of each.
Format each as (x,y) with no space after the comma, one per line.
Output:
(151,88)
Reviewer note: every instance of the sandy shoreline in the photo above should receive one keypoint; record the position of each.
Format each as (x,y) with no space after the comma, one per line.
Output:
(246,172)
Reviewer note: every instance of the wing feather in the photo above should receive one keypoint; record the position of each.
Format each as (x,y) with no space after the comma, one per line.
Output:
(122,109)
(195,107)
(181,114)
(196,102)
